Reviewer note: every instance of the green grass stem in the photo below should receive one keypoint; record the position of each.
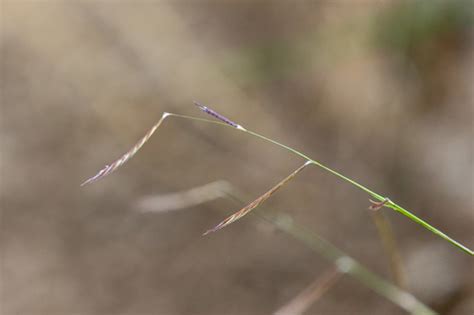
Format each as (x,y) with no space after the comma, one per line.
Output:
(389,204)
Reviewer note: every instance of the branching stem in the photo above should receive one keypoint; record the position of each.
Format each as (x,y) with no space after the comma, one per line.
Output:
(387,202)
(108,169)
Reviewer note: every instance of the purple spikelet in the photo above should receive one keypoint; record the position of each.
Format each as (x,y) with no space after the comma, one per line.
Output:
(215,114)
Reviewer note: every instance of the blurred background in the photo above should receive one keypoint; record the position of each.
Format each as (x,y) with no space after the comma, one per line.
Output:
(379,90)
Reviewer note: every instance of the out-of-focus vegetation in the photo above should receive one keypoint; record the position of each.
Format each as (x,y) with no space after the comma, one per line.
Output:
(412,26)
(422,37)
(380,91)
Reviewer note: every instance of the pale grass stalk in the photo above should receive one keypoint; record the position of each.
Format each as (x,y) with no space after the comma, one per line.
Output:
(348,265)
(303,301)
(387,236)
(183,199)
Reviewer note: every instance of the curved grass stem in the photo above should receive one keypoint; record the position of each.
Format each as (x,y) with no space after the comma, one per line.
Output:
(108,169)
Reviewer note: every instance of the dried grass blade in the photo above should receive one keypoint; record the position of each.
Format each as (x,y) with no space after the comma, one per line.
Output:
(254,204)
(108,169)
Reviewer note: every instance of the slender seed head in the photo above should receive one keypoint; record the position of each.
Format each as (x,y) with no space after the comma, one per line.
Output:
(215,114)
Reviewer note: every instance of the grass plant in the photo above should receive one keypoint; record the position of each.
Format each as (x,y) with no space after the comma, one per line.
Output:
(343,263)
(381,201)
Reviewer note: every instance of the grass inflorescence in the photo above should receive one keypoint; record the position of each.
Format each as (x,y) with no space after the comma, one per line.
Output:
(376,205)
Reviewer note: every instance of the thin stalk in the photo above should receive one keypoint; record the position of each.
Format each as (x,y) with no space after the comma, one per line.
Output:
(389,203)
(303,301)
(389,243)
